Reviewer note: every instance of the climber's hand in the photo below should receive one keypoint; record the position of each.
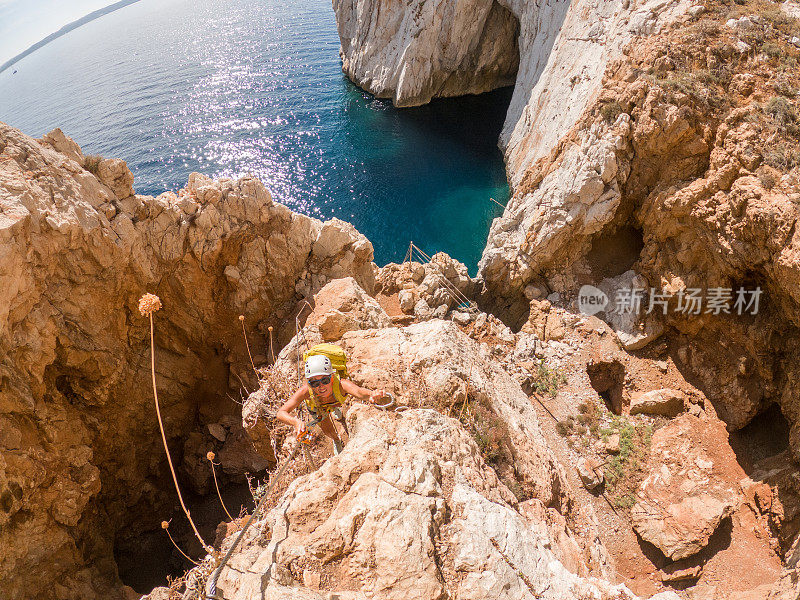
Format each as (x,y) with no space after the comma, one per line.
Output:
(299,429)
(379,395)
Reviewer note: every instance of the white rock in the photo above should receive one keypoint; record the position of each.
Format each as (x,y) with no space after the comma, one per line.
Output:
(666,402)
(461,318)
(590,473)
(791,8)
(440,311)
(407,301)
(414,51)
(422,309)
(633,326)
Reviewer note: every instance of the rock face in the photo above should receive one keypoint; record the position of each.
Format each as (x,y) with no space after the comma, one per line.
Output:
(80,461)
(692,487)
(342,306)
(614,172)
(408,510)
(665,402)
(416,50)
(435,360)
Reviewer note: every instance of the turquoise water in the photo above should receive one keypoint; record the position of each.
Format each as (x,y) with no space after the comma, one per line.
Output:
(229,87)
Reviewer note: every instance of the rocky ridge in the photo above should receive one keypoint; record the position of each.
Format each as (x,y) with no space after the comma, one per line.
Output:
(80,469)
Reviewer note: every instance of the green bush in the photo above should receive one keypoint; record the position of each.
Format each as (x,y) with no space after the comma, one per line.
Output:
(548,380)
(623,470)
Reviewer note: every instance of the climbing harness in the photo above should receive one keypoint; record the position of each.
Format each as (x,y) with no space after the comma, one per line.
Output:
(303,440)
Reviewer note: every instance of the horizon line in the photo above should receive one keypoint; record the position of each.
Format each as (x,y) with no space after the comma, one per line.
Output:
(96,14)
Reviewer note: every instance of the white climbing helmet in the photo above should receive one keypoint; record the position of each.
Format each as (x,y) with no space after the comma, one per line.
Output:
(317,365)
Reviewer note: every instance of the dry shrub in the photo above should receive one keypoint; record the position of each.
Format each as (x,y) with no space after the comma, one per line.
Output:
(768,179)
(493,438)
(91,162)
(275,388)
(782,156)
(611,110)
(783,114)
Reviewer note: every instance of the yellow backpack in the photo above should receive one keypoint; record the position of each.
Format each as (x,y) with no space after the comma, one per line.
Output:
(338,359)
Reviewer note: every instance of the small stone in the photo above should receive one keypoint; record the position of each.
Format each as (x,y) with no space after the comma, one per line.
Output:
(217,431)
(505,334)
(422,309)
(589,471)
(534,292)
(406,299)
(232,274)
(674,574)
(461,318)
(796,41)
(743,84)
(554,298)
(611,445)
(554,327)
(662,366)
(311,579)
(697,10)
(743,47)
(440,312)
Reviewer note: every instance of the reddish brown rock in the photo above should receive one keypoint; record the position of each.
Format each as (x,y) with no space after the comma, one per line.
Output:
(692,486)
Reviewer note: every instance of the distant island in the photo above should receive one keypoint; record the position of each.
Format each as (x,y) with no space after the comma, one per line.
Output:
(66,29)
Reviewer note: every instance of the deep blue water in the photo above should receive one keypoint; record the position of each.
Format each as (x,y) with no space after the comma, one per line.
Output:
(228,87)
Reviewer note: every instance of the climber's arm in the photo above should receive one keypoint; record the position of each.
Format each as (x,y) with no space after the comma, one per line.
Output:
(284,412)
(362,394)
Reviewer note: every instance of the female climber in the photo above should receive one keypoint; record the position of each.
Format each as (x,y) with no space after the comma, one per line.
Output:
(324,393)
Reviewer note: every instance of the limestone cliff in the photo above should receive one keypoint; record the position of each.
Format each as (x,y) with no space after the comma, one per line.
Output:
(414,51)
(80,467)
(688,176)
(655,139)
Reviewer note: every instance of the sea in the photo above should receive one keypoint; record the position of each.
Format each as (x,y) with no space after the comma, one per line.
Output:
(235,87)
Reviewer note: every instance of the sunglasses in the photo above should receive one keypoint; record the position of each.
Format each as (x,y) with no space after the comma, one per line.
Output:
(318,382)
